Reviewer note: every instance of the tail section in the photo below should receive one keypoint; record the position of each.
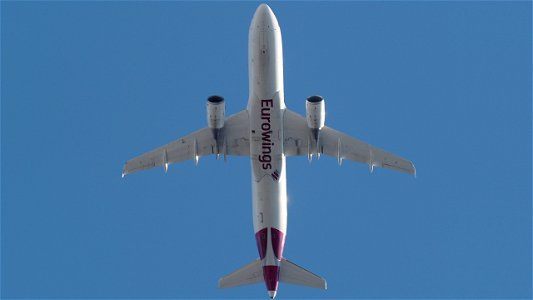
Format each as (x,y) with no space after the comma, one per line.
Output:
(287,272)
(293,274)
(249,274)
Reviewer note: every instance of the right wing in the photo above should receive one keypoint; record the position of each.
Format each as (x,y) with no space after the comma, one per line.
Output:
(298,140)
(234,139)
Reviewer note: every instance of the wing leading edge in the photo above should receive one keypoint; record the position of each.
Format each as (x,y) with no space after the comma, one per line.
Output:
(298,140)
(233,139)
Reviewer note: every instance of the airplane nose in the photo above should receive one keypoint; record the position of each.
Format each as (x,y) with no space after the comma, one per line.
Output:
(264,9)
(264,19)
(272,294)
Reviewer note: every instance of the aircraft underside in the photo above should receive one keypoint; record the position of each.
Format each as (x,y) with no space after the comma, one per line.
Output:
(268,133)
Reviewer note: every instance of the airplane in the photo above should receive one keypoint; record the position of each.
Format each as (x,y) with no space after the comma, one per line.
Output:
(268,132)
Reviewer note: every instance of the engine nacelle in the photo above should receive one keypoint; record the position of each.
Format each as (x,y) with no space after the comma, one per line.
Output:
(215,112)
(315,109)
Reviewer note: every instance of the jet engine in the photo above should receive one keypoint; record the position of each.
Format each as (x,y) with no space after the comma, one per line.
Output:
(315,109)
(215,112)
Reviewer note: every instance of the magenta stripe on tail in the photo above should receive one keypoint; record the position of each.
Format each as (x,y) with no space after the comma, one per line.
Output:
(271,275)
(278,242)
(261,239)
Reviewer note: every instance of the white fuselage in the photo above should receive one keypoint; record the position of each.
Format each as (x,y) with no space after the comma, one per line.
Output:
(266,106)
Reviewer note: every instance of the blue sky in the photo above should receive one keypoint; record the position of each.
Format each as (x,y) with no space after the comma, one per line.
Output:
(87,85)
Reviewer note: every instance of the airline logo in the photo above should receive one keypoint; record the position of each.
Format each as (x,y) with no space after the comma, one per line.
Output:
(275,175)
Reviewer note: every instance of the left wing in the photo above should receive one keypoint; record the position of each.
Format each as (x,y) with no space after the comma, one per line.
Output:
(298,140)
(234,139)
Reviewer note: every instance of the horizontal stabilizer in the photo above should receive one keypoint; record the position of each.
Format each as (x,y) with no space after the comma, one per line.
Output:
(294,274)
(249,274)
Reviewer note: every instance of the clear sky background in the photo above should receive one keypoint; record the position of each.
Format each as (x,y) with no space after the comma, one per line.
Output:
(86,86)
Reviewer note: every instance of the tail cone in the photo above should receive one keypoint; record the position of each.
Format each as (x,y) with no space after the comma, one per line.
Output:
(271,276)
